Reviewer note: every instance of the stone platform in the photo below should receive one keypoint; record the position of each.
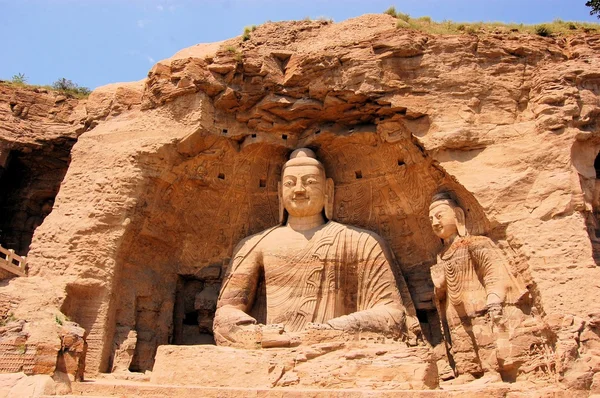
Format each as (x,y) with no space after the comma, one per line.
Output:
(107,388)
(339,365)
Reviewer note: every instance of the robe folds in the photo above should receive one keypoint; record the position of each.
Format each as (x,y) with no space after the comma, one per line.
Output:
(343,277)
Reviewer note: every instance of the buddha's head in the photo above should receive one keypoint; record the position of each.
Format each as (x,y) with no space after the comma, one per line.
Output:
(446,217)
(304,190)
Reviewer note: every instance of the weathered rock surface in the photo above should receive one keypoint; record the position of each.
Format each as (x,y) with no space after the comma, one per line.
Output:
(172,172)
(325,365)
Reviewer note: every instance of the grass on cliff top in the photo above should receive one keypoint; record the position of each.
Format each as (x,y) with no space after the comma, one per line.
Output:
(61,86)
(427,25)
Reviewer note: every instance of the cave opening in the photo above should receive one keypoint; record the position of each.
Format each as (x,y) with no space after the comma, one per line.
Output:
(185,230)
(30,179)
(593,219)
(194,310)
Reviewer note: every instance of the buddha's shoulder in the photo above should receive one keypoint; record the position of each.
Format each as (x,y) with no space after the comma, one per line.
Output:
(252,241)
(356,232)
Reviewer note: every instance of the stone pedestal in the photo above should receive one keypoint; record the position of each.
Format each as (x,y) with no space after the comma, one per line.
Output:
(338,365)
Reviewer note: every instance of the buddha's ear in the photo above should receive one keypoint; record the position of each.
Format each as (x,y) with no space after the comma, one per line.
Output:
(329,191)
(460,221)
(281,207)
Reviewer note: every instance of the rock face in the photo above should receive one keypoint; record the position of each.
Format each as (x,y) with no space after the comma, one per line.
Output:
(170,173)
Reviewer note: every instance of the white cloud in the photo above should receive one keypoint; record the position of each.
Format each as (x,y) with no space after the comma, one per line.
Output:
(160,8)
(150,60)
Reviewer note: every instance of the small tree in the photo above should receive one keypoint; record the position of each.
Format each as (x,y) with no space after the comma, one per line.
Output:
(63,84)
(19,78)
(595,7)
(68,87)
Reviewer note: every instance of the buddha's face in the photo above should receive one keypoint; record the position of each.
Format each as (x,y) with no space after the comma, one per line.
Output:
(303,190)
(443,221)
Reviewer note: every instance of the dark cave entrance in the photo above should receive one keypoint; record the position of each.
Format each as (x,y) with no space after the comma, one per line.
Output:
(194,310)
(30,179)
(593,219)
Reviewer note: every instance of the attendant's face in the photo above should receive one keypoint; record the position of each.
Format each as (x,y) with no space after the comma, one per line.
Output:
(303,190)
(443,221)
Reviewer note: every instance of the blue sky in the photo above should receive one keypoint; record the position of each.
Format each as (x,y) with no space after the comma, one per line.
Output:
(96,42)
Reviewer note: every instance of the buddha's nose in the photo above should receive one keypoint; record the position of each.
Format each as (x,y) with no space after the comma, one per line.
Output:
(299,187)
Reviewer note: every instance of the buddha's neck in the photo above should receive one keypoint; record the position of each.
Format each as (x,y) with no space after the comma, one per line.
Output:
(305,223)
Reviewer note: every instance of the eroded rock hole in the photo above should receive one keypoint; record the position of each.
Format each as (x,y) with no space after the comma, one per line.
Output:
(358,174)
(30,180)
(284,136)
(221,176)
(262,183)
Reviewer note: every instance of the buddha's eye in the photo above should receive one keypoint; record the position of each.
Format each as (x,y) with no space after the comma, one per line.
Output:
(311,181)
(288,184)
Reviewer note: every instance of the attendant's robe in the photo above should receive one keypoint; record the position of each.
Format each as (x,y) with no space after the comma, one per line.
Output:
(474,269)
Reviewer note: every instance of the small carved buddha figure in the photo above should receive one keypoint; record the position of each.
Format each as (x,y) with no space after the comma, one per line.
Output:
(478,297)
(310,274)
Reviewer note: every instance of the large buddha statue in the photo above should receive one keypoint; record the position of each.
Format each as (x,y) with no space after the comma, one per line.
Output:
(484,308)
(310,274)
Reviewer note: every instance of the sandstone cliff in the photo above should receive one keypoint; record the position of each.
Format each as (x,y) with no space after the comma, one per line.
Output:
(171,172)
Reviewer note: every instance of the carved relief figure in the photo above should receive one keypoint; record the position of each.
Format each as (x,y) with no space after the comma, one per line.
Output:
(310,274)
(480,301)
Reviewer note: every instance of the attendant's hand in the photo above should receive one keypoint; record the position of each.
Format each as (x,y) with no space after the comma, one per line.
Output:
(494,312)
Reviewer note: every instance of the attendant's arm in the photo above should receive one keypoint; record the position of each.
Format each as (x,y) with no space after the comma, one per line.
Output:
(489,263)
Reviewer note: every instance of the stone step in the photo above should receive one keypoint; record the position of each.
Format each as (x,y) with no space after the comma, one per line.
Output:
(128,389)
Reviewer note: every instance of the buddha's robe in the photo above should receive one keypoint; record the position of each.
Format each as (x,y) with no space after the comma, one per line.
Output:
(342,277)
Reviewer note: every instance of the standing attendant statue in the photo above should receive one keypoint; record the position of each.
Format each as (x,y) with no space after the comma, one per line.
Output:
(483,306)
(311,274)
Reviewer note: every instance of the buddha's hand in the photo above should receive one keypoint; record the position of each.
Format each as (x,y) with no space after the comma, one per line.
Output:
(318,326)
(233,327)
(274,335)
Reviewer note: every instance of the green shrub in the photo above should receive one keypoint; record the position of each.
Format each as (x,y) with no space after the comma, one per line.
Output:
(391,11)
(404,17)
(542,30)
(247,31)
(67,87)
(425,19)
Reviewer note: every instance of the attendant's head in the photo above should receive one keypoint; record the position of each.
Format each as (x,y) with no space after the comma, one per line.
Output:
(446,217)
(305,190)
